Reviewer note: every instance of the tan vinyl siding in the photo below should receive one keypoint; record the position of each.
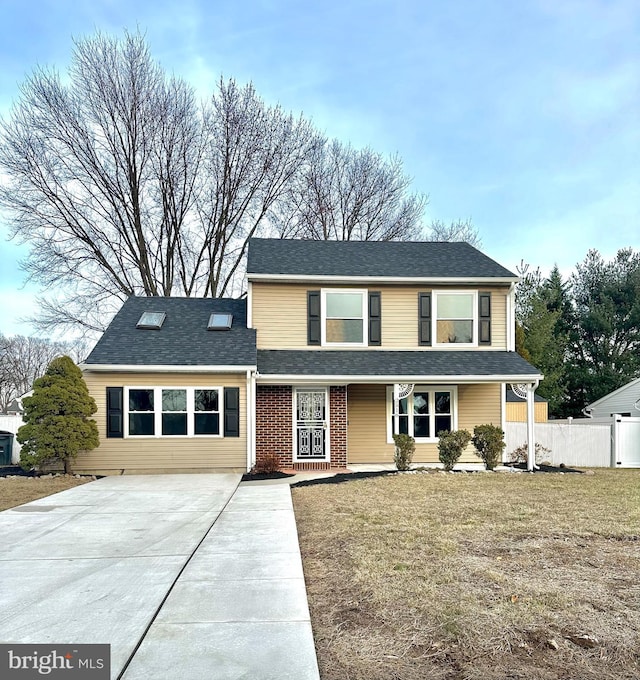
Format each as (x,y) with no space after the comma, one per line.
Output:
(367,425)
(367,417)
(163,453)
(478,405)
(280,314)
(516,412)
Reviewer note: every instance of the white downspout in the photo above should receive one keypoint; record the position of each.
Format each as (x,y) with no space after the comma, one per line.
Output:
(511,319)
(249,421)
(396,409)
(531,444)
(503,415)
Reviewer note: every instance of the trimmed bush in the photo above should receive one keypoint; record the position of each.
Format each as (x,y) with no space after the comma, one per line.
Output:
(405,448)
(451,445)
(520,454)
(489,443)
(267,465)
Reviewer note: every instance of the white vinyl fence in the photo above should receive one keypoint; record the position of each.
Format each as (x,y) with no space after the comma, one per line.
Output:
(571,444)
(583,442)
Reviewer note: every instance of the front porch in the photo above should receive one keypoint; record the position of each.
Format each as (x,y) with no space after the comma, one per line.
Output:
(323,427)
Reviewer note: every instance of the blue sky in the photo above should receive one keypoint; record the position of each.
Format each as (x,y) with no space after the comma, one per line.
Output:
(522,115)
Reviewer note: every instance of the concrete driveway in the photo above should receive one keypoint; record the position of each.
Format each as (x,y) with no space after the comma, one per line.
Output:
(185,576)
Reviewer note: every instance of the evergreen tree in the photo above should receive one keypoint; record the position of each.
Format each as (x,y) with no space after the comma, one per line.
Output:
(57,417)
(544,310)
(605,339)
(546,344)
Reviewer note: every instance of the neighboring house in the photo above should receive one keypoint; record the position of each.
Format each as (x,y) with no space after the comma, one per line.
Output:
(10,422)
(625,401)
(15,407)
(337,346)
(516,408)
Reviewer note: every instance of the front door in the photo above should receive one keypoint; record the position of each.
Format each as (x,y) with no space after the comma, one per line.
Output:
(311,424)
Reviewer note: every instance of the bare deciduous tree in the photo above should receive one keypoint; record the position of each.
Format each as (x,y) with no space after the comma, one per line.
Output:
(122,183)
(459,230)
(22,360)
(253,154)
(347,194)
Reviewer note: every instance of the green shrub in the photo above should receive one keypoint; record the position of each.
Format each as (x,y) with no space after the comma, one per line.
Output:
(57,418)
(451,445)
(489,443)
(405,448)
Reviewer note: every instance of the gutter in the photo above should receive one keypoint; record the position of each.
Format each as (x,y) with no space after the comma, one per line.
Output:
(297,378)
(419,280)
(163,368)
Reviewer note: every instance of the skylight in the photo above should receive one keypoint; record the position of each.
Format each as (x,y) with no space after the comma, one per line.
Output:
(219,322)
(151,320)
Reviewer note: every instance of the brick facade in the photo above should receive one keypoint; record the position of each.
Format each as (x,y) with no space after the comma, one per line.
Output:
(338,425)
(274,427)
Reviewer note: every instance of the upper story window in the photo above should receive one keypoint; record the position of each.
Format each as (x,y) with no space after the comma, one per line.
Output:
(455,317)
(344,317)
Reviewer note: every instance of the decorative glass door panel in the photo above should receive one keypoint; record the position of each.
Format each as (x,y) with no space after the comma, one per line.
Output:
(311,424)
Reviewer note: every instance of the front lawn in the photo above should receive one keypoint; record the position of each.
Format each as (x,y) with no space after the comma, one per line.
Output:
(474,576)
(18,490)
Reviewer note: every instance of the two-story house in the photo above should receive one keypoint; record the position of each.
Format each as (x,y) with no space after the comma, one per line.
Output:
(337,346)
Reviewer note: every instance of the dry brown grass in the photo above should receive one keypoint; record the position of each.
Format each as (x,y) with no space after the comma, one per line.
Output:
(476,576)
(18,490)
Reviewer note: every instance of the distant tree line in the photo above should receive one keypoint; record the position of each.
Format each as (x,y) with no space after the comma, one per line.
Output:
(123,183)
(23,359)
(583,333)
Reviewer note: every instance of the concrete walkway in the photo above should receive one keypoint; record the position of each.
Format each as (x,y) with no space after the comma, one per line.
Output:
(186,576)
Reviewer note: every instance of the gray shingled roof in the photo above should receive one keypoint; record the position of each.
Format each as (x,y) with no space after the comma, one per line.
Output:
(386,363)
(371,258)
(183,339)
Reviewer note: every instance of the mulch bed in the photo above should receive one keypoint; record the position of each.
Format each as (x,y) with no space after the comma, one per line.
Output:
(14,471)
(259,476)
(344,477)
(545,468)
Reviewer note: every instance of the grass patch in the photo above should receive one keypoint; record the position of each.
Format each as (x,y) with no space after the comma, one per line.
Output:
(18,490)
(477,576)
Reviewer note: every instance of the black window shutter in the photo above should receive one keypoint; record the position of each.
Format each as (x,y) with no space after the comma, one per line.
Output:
(313,317)
(114,413)
(375,319)
(424,318)
(484,319)
(231,411)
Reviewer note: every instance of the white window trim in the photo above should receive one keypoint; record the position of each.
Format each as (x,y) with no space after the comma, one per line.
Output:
(157,412)
(327,418)
(434,325)
(432,389)
(365,317)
